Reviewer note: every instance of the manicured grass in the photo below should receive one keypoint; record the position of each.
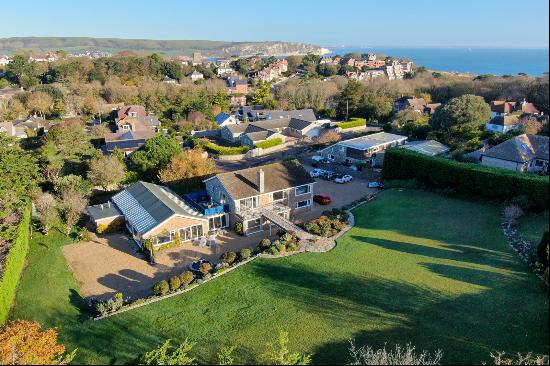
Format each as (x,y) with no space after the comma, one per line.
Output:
(417,268)
(532,227)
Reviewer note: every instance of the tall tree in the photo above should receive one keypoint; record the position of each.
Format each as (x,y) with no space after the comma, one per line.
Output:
(261,94)
(73,205)
(187,169)
(462,115)
(46,209)
(106,171)
(155,154)
(39,102)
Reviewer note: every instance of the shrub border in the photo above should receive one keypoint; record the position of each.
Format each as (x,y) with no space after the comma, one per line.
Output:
(15,262)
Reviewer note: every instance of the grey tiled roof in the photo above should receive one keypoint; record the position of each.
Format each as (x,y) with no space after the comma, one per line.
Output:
(521,149)
(103,211)
(242,183)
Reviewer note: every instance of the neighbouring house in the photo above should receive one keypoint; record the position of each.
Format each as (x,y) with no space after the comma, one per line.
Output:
(431,108)
(224,119)
(367,75)
(151,211)
(224,70)
(195,75)
(260,196)
(362,149)
(528,108)
(250,139)
(9,129)
(48,57)
(503,123)
(504,107)
(258,113)
(524,153)
(38,125)
(126,141)
(273,70)
(135,118)
(427,147)
(237,86)
(130,111)
(397,69)
(418,104)
(169,80)
(291,127)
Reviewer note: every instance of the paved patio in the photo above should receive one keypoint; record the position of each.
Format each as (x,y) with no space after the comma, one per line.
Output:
(109,264)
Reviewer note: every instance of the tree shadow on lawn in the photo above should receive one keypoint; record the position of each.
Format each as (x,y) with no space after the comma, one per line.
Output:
(467,326)
(456,252)
(109,341)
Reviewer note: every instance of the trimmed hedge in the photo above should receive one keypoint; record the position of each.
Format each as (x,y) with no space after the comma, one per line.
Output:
(224,150)
(466,178)
(15,261)
(269,143)
(353,122)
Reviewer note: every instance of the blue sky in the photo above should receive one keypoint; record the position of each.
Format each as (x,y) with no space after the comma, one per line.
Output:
(405,23)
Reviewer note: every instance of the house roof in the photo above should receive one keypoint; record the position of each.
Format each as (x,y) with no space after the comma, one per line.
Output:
(260,135)
(147,205)
(243,128)
(369,141)
(527,107)
(221,118)
(521,148)
(417,103)
(126,110)
(427,147)
(103,211)
(243,183)
(299,124)
(432,107)
(502,106)
(508,120)
(128,135)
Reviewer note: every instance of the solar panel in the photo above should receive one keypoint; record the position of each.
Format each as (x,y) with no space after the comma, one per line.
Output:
(135,214)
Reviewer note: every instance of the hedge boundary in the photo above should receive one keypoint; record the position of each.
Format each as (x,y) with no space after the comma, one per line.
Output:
(269,143)
(15,262)
(223,150)
(354,122)
(466,178)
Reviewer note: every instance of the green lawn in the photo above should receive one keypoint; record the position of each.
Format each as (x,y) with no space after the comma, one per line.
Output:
(417,268)
(531,227)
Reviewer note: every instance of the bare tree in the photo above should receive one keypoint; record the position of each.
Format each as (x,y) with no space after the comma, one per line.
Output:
(45,205)
(73,204)
(407,355)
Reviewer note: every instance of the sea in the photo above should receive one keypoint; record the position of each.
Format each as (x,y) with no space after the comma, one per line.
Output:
(494,61)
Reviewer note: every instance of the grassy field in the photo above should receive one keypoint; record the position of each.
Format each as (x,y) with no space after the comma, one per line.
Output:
(417,268)
(531,227)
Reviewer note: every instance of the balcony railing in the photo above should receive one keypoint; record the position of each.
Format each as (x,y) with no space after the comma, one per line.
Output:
(203,203)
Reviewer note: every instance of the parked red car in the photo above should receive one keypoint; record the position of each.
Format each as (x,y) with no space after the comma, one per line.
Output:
(322,199)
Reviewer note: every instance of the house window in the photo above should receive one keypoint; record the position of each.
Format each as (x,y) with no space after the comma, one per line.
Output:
(302,190)
(217,222)
(254,223)
(331,157)
(303,203)
(248,203)
(277,196)
(191,232)
(539,163)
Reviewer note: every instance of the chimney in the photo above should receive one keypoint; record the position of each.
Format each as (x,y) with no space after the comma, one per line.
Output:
(260,181)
